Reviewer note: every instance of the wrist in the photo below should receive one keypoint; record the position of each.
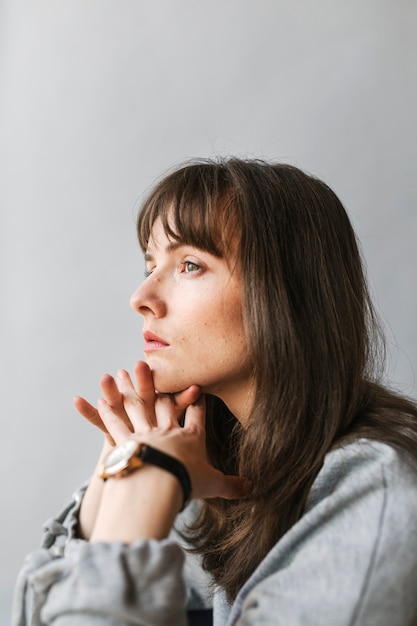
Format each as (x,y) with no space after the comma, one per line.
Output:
(132,455)
(92,498)
(142,505)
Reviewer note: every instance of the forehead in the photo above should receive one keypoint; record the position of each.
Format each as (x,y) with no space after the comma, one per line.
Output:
(157,236)
(159,239)
(207,226)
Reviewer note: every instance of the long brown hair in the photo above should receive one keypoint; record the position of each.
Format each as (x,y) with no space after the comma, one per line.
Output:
(316,345)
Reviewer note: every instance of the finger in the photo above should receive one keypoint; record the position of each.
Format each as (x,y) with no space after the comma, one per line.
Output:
(195,415)
(183,399)
(170,407)
(215,484)
(115,426)
(141,412)
(91,414)
(145,389)
(86,409)
(167,413)
(111,392)
(114,398)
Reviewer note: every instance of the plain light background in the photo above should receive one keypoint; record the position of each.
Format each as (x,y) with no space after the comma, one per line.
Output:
(97,99)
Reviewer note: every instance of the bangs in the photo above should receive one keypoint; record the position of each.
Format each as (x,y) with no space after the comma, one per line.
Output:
(197,207)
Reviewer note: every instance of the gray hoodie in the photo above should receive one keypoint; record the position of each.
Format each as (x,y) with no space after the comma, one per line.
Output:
(350,560)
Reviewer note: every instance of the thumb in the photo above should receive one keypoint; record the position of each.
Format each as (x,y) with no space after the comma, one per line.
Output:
(188,396)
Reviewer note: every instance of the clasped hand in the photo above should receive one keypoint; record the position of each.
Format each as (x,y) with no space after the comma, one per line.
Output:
(172,423)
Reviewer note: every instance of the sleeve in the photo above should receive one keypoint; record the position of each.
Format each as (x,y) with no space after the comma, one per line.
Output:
(352,558)
(71,581)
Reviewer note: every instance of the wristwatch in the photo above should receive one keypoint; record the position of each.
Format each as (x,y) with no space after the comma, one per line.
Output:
(132,455)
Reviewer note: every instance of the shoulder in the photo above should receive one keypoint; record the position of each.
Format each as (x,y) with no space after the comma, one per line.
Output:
(365,464)
(369,489)
(364,498)
(351,556)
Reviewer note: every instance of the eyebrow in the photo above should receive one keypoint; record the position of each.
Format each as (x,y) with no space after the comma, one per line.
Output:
(174,245)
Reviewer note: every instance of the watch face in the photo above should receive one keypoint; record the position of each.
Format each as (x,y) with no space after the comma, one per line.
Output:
(118,458)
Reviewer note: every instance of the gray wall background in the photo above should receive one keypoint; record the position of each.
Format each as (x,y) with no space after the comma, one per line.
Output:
(97,98)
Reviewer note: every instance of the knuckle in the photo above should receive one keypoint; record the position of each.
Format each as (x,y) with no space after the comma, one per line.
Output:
(134,402)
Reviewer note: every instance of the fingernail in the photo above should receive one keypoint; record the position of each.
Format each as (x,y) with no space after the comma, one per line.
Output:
(122,374)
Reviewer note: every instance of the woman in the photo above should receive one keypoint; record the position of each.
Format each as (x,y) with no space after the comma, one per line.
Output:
(269,414)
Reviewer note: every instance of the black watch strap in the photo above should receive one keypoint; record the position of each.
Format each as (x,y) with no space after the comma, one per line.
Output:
(166,462)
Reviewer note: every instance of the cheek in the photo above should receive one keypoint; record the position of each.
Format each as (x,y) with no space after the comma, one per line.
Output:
(230,311)
(211,318)
(230,328)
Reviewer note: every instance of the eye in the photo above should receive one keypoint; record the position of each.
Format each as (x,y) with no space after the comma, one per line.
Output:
(190,267)
(147,272)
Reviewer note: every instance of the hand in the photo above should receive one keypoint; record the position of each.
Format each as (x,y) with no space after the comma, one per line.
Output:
(113,397)
(145,503)
(153,418)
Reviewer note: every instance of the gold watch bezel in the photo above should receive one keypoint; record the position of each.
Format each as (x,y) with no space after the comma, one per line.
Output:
(122,460)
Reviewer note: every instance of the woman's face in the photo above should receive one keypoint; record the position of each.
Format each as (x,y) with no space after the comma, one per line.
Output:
(191,302)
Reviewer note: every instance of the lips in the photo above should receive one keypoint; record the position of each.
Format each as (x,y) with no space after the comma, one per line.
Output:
(153,342)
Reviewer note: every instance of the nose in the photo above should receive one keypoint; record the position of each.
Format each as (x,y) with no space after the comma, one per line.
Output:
(147,300)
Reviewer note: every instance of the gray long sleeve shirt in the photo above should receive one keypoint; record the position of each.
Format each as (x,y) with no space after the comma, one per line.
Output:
(350,560)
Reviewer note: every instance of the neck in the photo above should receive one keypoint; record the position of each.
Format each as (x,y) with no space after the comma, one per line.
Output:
(239,402)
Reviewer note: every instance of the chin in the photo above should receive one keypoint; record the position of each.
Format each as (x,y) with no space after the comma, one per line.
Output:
(169,384)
